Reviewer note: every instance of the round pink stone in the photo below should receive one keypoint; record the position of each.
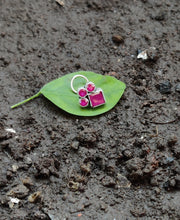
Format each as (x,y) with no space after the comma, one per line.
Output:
(90,87)
(82,92)
(83,102)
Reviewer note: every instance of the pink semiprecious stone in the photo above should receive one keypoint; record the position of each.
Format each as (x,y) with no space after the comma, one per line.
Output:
(97,99)
(82,92)
(83,102)
(90,87)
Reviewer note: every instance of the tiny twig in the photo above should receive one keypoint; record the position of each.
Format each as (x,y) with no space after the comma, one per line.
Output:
(163,123)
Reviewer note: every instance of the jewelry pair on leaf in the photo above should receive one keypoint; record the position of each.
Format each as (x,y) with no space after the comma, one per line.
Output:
(92,101)
(89,94)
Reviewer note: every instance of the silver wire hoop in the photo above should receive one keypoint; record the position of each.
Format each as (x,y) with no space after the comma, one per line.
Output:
(74,77)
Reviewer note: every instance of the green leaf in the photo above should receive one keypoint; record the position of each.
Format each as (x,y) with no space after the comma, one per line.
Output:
(60,93)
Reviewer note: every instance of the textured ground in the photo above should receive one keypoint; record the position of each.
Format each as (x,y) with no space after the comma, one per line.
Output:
(122,165)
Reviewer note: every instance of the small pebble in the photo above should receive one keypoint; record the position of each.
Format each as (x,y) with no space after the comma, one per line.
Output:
(27,181)
(34,197)
(165,87)
(103,206)
(75,145)
(157,190)
(160,16)
(4,200)
(177,88)
(27,160)
(10,130)
(60,2)
(127,154)
(142,55)
(14,168)
(64,197)
(117,39)
(19,191)
(74,186)
(148,54)
(122,181)
(172,182)
(86,168)
(172,140)
(112,74)
(12,202)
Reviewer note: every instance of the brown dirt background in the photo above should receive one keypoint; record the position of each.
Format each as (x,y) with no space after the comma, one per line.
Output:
(121,165)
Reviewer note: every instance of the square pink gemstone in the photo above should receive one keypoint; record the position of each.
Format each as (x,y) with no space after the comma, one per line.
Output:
(97,99)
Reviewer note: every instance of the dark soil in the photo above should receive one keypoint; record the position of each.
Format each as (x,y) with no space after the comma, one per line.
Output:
(124,164)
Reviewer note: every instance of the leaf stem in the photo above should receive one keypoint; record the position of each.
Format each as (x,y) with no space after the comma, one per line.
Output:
(26,100)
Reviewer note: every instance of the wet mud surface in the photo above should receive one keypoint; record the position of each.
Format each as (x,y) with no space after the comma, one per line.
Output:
(123,164)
